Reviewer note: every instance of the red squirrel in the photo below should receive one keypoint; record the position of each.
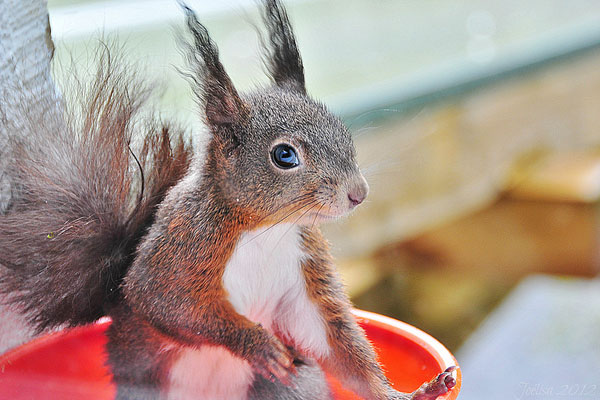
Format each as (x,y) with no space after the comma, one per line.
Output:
(212,266)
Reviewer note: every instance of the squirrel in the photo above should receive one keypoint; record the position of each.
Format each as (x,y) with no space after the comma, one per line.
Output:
(212,266)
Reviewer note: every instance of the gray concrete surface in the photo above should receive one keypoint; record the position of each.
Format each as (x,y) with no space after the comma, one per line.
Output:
(543,342)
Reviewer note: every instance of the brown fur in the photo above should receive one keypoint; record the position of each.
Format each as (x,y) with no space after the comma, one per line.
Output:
(352,358)
(84,196)
(191,241)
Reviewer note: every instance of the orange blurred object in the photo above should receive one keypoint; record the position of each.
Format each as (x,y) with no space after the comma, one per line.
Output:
(71,364)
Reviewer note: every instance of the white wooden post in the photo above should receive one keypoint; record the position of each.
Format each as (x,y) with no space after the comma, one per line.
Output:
(25,53)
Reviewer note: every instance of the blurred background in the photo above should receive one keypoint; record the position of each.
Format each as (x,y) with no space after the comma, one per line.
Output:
(477,124)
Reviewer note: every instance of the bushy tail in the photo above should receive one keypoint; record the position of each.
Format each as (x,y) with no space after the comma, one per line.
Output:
(83,198)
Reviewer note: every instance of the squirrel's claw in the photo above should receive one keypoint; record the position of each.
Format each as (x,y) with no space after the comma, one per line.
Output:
(276,363)
(438,386)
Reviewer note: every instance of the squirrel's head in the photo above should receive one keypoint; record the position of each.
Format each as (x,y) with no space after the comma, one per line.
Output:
(274,153)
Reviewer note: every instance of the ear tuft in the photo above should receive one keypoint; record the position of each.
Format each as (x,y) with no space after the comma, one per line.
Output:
(283,59)
(216,93)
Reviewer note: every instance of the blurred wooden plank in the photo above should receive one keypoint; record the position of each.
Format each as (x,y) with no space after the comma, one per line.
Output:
(567,176)
(360,275)
(452,159)
(511,239)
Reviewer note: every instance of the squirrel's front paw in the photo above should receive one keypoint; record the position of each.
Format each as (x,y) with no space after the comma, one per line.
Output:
(438,386)
(274,361)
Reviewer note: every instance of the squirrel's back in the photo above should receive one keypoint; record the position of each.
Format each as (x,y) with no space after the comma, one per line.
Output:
(83,197)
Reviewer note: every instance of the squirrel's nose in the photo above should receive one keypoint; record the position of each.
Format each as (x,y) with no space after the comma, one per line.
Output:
(358,191)
(356,198)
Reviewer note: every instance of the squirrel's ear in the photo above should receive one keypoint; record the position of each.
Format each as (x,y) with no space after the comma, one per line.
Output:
(283,58)
(216,92)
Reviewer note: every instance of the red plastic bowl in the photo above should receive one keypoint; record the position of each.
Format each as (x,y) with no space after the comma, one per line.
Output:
(70,364)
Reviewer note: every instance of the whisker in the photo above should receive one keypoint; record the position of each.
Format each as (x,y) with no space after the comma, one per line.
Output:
(317,215)
(305,212)
(295,210)
(367,129)
(289,214)
(275,224)
(292,202)
(294,223)
(367,115)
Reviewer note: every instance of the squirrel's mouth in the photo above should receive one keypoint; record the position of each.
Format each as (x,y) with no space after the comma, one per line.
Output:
(330,211)
(324,216)
(320,212)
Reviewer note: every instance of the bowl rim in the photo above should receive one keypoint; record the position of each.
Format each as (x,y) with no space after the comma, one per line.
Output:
(422,339)
(437,350)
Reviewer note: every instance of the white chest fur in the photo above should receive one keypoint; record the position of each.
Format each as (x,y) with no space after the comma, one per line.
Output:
(265,283)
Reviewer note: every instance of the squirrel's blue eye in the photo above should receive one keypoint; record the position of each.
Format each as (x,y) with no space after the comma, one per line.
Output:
(284,156)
